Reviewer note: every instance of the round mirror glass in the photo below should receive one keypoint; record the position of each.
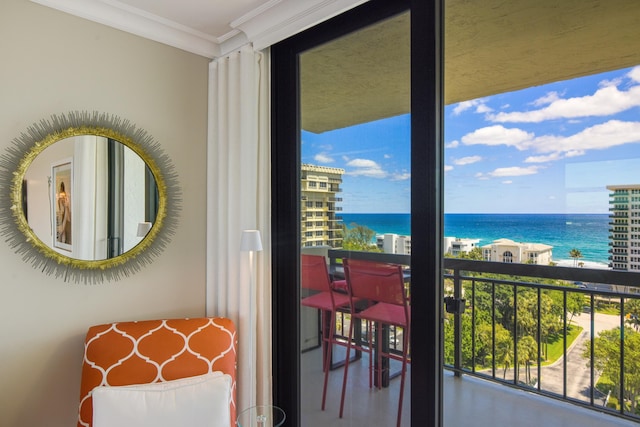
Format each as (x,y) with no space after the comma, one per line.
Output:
(89,197)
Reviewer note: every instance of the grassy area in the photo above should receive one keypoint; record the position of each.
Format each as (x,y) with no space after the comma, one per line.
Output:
(608,309)
(605,385)
(555,348)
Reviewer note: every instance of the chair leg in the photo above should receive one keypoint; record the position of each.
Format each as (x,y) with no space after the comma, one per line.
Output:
(370,338)
(403,375)
(326,338)
(402,378)
(327,360)
(346,367)
(380,346)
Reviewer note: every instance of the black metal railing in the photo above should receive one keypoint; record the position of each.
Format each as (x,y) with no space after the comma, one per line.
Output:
(567,324)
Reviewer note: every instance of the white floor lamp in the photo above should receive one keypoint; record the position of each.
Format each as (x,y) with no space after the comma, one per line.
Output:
(251,242)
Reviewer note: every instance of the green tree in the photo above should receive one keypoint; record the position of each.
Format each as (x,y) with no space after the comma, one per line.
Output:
(575,254)
(527,354)
(632,309)
(607,362)
(475,254)
(449,341)
(504,349)
(359,238)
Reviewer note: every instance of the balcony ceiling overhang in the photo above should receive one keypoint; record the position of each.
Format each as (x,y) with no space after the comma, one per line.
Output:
(491,47)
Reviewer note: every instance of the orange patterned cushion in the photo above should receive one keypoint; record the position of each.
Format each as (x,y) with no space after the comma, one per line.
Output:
(152,351)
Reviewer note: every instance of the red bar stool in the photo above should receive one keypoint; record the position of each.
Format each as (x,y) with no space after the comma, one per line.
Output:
(383,286)
(315,277)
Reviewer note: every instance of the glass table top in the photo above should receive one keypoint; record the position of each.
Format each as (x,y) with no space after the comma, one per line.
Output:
(261,416)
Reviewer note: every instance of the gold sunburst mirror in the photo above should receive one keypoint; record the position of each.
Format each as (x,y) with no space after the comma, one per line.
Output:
(87,196)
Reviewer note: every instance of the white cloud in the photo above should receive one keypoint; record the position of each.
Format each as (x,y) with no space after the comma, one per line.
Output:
(605,101)
(323,158)
(514,171)
(467,160)
(614,82)
(479,104)
(463,106)
(387,156)
(366,167)
(507,182)
(483,108)
(448,168)
(598,137)
(555,147)
(401,176)
(452,144)
(546,99)
(543,159)
(499,135)
(574,153)
(634,74)
(363,163)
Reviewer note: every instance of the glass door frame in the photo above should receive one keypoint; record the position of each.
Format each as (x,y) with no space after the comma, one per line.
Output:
(427,169)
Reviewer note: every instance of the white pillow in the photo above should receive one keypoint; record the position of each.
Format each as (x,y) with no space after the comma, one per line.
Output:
(201,401)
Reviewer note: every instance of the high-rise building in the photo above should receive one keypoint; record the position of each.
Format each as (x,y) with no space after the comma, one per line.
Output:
(320,224)
(624,227)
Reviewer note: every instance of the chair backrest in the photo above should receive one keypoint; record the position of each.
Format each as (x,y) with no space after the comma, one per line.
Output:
(154,351)
(375,281)
(314,274)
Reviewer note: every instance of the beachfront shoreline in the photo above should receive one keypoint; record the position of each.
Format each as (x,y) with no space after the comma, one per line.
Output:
(586,264)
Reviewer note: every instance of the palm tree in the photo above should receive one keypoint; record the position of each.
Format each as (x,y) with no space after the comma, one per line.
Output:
(575,254)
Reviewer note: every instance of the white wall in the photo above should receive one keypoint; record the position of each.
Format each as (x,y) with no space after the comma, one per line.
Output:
(54,63)
(39,195)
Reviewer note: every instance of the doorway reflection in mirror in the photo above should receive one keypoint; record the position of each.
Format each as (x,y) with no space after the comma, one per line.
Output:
(62,179)
(63,217)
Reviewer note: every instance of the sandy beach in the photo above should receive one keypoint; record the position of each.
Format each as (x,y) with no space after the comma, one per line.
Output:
(587,264)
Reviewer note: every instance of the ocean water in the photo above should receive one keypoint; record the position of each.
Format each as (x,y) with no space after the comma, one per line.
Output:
(588,233)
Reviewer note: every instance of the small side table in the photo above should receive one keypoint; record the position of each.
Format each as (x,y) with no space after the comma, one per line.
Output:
(261,416)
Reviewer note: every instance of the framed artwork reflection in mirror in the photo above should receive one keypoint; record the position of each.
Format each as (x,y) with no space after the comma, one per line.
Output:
(62,190)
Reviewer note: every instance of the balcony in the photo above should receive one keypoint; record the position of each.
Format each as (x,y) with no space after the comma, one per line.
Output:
(535,388)
(467,401)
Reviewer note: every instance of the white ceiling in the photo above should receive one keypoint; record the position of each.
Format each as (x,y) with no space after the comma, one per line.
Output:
(209,28)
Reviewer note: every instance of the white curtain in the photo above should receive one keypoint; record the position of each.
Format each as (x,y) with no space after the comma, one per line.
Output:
(238,198)
(89,198)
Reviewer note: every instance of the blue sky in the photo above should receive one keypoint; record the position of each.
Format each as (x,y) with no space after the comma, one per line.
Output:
(546,149)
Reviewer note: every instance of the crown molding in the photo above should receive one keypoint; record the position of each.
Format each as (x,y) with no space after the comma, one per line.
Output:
(270,23)
(285,18)
(138,22)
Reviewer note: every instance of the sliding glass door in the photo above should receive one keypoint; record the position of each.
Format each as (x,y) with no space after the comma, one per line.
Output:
(356,159)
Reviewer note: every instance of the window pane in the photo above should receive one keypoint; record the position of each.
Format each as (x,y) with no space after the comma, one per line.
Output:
(356,187)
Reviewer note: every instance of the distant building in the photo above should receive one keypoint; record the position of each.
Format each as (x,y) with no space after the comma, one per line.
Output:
(624,227)
(505,250)
(320,224)
(455,246)
(394,244)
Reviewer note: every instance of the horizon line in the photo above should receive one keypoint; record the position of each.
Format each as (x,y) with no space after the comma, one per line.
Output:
(481,213)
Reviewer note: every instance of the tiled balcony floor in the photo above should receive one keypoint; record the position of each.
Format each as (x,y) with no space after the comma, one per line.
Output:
(468,401)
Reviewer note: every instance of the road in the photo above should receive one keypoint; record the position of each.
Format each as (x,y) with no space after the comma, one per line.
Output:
(578,371)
